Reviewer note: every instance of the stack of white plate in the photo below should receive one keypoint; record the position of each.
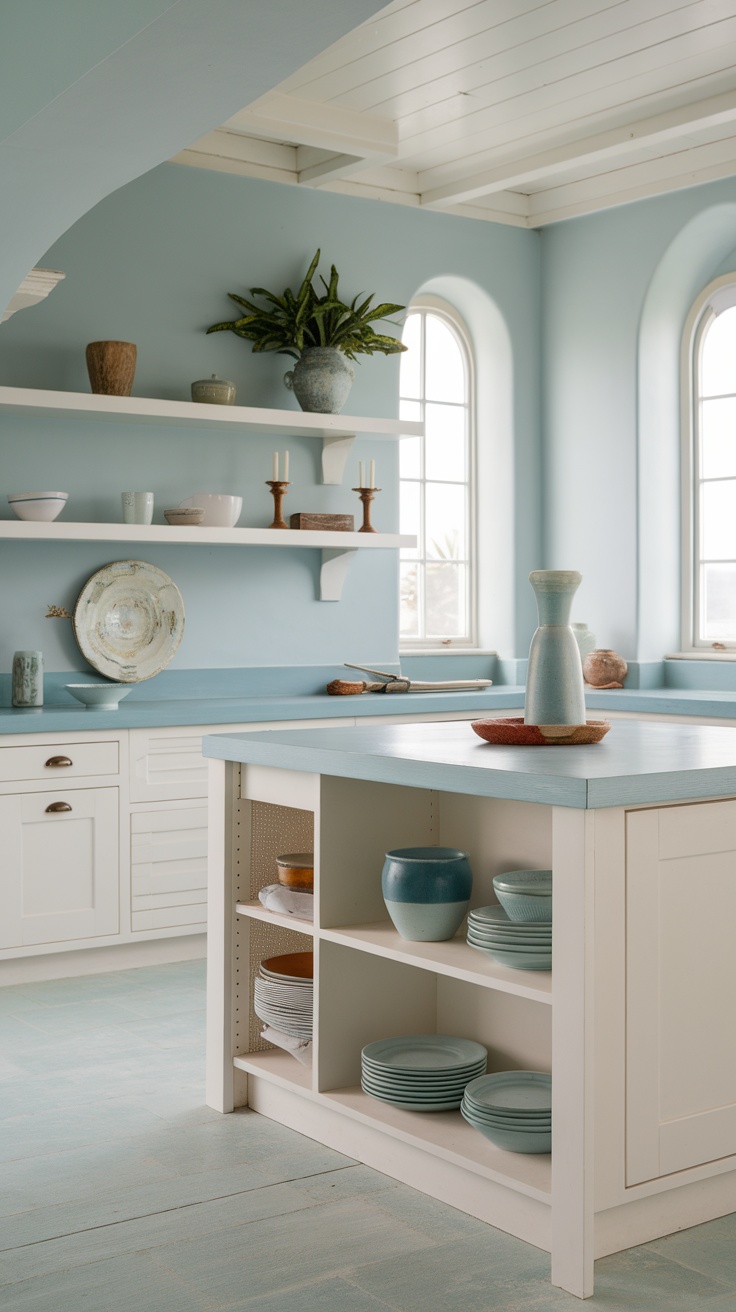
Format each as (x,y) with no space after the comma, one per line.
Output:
(282,993)
(521,944)
(513,1109)
(421,1072)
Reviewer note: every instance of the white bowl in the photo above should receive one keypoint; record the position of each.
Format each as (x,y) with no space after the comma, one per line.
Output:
(37,505)
(220,510)
(99,696)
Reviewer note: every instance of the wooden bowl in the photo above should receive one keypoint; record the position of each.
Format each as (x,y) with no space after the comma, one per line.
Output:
(297,965)
(296,870)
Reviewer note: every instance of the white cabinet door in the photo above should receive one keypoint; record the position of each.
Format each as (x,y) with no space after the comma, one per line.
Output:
(168,854)
(681,985)
(60,866)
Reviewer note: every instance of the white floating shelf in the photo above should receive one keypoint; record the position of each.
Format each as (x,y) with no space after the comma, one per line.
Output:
(338,549)
(337,432)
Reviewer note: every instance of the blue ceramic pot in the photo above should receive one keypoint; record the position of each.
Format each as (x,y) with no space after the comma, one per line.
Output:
(427,891)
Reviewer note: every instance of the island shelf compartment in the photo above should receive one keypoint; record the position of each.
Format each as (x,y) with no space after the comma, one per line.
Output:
(359,821)
(362,998)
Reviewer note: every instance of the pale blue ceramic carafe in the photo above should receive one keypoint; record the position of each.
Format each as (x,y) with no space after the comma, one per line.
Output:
(554,683)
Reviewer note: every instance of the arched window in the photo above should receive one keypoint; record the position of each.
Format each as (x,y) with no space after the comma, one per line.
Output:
(437,506)
(709,566)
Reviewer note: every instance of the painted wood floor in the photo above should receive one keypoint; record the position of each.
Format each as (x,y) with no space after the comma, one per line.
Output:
(121,1192)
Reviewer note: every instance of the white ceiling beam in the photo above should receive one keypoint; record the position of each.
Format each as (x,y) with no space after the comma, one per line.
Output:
(320,166)
(307,123)
(614,144)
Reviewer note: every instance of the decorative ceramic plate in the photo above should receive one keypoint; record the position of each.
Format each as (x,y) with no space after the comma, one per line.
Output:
(515,733)
(129,620)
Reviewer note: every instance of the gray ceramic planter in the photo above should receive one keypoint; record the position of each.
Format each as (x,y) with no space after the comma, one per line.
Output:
(321,380)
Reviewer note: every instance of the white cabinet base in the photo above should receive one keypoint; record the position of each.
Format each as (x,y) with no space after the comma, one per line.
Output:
(155,951)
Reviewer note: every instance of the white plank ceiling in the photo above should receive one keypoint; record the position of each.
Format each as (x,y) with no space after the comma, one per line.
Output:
(517,111)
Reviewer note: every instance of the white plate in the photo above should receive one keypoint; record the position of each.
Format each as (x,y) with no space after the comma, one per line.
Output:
(129,620)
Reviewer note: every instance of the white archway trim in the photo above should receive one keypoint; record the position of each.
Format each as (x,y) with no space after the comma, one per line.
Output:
(494,472)
(685,268)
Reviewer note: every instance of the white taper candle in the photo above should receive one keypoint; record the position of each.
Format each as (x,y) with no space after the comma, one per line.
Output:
(360,473)
(373,474)
(286,466)
(275,467)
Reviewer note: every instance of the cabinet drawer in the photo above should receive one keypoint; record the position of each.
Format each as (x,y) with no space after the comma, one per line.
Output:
(168,849)
(166,765)
(57,762)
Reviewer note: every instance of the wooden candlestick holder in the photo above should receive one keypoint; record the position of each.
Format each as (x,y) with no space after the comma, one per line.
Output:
(278,492)
(366,495)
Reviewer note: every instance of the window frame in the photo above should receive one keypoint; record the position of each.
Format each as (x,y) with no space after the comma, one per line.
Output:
(718,296)
(435,305)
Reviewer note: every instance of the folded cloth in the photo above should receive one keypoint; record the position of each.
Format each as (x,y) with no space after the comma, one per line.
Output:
(299,1048)
(287,901)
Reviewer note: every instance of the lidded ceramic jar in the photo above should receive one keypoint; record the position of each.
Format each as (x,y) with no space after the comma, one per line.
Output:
(427,891)
(214,391)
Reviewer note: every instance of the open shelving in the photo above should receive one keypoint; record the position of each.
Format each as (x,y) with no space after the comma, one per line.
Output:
(370,983)
(336,432)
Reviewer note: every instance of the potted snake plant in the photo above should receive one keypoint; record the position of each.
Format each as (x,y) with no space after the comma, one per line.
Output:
(319,330)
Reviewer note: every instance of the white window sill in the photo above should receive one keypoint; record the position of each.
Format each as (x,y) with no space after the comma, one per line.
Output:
(705,655)
(447,651)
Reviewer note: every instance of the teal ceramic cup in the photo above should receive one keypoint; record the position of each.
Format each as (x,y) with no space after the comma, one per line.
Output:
(427,891)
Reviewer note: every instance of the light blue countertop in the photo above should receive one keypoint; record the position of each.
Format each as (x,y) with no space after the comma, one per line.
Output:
(636,762)
(141,709)
(149,713)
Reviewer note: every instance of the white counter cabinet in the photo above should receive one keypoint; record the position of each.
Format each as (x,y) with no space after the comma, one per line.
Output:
(634,1022)
(116,871)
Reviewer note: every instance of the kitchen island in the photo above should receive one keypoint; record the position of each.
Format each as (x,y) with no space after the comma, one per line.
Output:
(634,1021)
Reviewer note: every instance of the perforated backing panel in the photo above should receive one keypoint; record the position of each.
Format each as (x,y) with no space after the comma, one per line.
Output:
(275,831)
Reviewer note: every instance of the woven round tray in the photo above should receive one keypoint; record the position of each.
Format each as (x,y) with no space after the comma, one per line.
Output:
(514,732)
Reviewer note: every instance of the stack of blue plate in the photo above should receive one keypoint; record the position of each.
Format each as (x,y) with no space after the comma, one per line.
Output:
(513,1109)
(521,944)
(421,1072)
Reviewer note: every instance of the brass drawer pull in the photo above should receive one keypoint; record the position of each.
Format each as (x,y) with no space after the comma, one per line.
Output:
(55,761)
(53,807)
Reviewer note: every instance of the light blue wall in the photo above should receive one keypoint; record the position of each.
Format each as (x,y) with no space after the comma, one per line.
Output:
(152,264)
(616,290)
(95,92)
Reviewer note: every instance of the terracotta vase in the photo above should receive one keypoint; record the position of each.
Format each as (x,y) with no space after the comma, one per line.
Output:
(604,668)
(111,367)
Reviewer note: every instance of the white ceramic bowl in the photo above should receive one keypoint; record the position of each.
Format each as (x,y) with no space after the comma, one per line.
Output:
(37,505)
(191,515)
(220,510)
(99,696)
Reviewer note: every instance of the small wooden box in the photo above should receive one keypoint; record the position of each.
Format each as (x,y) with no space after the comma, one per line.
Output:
(331,523)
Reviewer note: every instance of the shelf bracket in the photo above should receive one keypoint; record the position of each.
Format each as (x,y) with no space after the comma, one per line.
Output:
(335,451)
(333,572)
